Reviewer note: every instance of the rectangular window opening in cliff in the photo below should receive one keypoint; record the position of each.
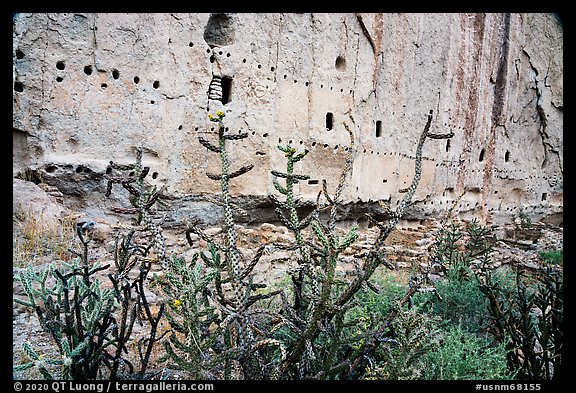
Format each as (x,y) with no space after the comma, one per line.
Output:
(329,121)
(313,182)
(226,90)
(544,196)
(378,128)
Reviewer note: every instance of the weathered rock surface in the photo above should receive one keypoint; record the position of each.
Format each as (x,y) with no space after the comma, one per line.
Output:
(32,204)
(90,88)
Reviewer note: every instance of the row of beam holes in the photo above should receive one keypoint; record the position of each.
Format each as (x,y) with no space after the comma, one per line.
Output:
(329,120)
(272,69)
(265,135)
(340,65)
(313,144)
(213,58)
(460,205)
(81,168)
(496,169)
(325,145)
(321,85)
(131,174)
(515,171)
(400,155)
(88,70)
(290,142)
(480,158)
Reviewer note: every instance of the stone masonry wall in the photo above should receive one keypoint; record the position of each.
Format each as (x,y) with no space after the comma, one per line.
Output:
(89,88)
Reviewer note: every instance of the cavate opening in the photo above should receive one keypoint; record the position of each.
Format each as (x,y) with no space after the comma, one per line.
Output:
(226,84)
(507,156)
(329,121)
(340,64)
(482,152)
(378,128)
(219,30)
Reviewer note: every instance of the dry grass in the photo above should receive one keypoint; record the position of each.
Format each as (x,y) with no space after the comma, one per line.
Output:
(36,240)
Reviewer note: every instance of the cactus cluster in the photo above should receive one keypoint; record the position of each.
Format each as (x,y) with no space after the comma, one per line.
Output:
(528,318)
(525,308)
(75,310)
(219,329)
(92,323)
(220,326)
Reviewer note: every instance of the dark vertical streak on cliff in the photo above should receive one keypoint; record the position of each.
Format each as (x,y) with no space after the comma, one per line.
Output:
(471,106)
(375,42)
(501,76)
(497,109)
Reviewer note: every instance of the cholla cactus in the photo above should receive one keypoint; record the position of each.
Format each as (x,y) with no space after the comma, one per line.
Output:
(310,306)
(42,363)
(128,254)
(194,321)
(142,201)
(212,296)
(287,213)
(91,323)
(77,312)
(314,351)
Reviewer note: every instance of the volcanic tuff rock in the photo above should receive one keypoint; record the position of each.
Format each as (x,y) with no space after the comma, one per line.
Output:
(90,88)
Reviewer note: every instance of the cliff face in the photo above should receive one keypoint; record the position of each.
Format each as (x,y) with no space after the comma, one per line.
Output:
(89,88)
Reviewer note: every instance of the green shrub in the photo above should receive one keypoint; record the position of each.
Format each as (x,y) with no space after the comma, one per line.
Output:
(401,357)
(555,257)
(371,306)
(464,355)
(462,301)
